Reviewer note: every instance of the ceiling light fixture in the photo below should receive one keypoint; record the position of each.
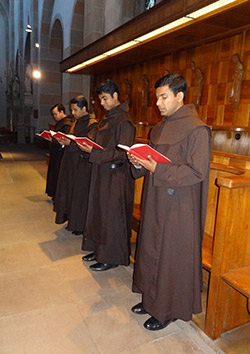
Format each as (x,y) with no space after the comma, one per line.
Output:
(209,9)
(28,27)
(164,29)
(206,11)
(122,47)
(36,74)
(87,62)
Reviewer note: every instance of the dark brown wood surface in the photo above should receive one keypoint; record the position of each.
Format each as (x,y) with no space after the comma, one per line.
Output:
(214,59)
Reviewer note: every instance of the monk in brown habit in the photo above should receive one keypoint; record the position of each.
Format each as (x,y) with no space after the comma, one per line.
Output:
(109,218)
(63,124)
(168,269)
(71,199)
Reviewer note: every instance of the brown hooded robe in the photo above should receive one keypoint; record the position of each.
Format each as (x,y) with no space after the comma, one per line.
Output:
(109,217)
(72,160)
(56,154)
(168,270)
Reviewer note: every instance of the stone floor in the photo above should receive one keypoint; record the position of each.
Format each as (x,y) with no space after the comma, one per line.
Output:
(51,303)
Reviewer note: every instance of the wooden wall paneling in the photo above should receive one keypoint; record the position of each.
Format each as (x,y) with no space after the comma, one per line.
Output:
(214,73)
(245,89)
(221,93)
(247,40)
(222,71)
(225,48)
(215,61)
(228,115)
(219,118)
(190,55)
(234,142)
(242,117)
(211,113)
(237,43)
(246,60)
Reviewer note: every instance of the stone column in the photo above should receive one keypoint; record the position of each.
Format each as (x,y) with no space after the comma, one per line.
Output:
(20,123)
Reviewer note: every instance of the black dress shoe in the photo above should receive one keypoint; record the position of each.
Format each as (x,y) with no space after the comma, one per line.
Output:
(138,309)
(89,257)
(102,266)
(153,324)
(77,233)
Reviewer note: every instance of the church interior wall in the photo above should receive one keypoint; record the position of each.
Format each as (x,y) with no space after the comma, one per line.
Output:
(93,21)
(82,22)
(76,40)
(112,18)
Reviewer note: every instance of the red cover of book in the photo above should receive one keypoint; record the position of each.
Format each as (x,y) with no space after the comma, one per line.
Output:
(78,139)
(58,135)
(143,150)
(84,140)
(45,134)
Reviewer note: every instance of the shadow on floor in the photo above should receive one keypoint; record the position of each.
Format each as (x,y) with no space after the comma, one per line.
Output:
(65,245)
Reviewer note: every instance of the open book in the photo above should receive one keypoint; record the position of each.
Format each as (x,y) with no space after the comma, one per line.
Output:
(80,140)
(57,135)
(84,140)
(143,151)
(45,135)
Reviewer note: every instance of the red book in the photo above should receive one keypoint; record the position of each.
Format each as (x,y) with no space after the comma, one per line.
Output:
(143,151)
(45,134)
(84,140)
(58,135)
(78,139)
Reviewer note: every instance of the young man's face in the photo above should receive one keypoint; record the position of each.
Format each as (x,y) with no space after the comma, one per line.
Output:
(107,101)
(77,111)
(167,102)
(56,114)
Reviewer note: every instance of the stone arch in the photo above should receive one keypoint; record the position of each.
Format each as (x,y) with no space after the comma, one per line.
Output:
(56,55)
(77,27)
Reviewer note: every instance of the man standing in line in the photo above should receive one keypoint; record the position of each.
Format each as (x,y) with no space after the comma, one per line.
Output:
(63,124)
(109,219)
(73,182)
(168,269)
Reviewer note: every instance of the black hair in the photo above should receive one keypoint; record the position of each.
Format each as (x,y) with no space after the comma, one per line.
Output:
(60,107)
(175,82)
(108,86)
(80,101)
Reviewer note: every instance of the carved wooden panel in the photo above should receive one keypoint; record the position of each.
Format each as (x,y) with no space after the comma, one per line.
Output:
(215,62)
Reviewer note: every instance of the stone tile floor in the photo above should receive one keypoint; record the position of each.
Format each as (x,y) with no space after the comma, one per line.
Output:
(51,303)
